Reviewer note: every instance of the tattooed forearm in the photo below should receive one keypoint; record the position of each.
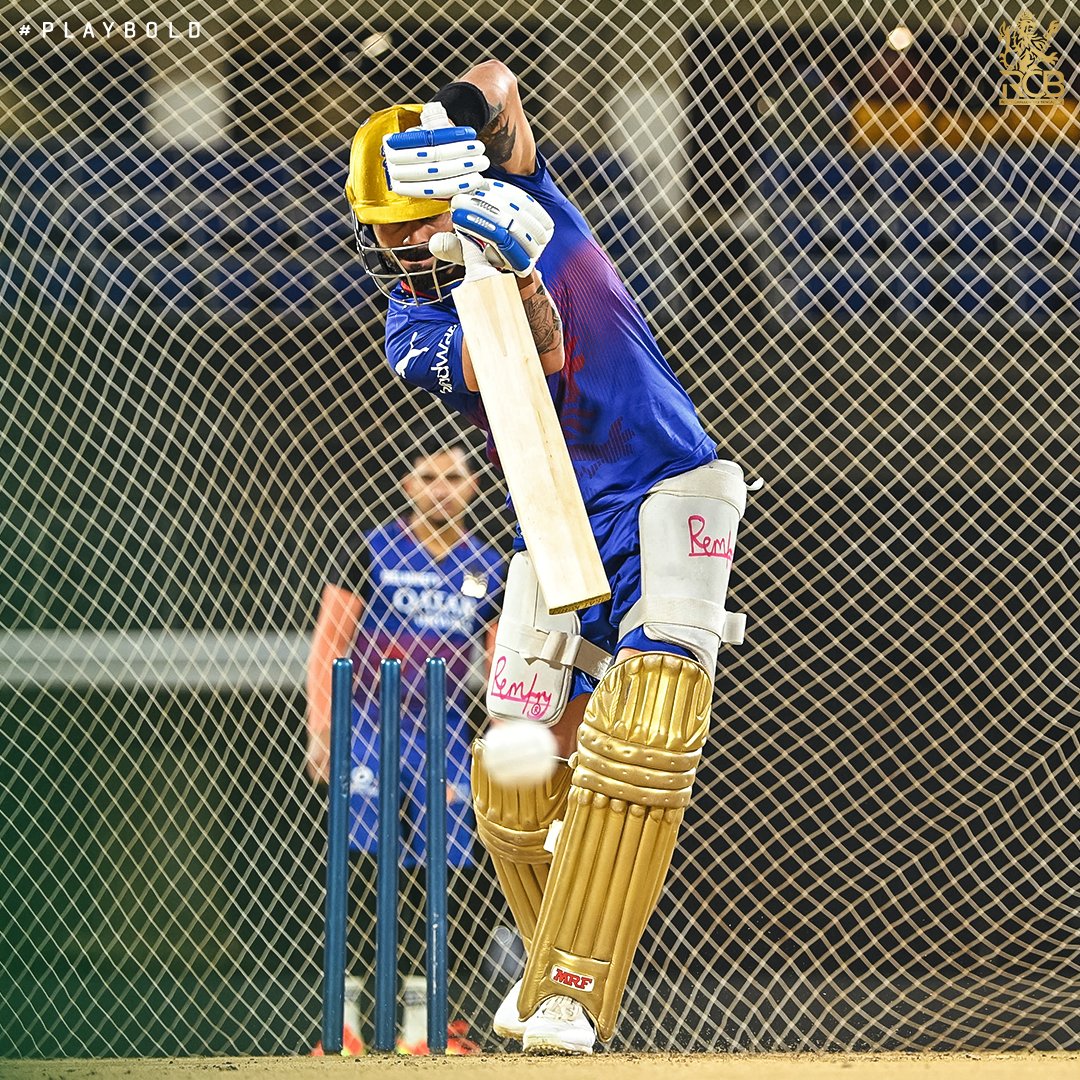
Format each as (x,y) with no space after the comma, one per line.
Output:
(544,321)
(499,137)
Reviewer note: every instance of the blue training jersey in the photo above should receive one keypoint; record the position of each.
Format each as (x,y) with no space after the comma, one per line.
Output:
(416,606)
(627,421)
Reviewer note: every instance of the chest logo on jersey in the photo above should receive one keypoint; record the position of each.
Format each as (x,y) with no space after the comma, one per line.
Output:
(434,609)
(474,585)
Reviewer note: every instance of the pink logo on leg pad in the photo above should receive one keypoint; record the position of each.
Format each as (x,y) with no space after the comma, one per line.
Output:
(704,546)
(534,703)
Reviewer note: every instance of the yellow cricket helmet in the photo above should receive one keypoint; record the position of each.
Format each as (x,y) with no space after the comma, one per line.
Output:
(371,200)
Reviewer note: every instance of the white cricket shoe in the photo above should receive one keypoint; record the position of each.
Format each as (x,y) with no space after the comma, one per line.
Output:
(506,1022)
(559,1026)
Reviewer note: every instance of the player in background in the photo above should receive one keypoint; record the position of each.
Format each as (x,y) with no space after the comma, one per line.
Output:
(627,688)
(414,587)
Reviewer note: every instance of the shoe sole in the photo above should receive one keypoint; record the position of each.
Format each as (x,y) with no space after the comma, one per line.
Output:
(508,1032)
(544,1048)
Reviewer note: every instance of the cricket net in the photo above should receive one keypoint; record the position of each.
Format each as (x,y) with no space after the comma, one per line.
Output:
(863,267)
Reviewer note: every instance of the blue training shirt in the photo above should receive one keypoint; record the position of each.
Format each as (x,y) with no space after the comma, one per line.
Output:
(627,421)
(416,606)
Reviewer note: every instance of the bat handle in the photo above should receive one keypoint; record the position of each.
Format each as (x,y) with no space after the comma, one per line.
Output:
(476,266)
(433,116)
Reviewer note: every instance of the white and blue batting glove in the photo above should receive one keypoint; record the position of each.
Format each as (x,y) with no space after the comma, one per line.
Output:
(505,221)
(434,164)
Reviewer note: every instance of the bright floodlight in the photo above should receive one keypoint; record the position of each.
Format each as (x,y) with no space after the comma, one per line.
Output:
(375,45)
(900,38)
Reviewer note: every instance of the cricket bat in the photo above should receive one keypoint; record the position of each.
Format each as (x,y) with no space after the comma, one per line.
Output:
(527,435)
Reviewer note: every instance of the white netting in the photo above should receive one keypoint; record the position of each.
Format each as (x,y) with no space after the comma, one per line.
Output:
(867,273)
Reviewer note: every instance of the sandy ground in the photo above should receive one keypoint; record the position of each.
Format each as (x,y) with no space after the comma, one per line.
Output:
(1058,1066)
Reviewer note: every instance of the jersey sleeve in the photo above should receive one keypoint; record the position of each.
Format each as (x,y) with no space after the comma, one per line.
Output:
(350,568)
(424,348)
(538,183)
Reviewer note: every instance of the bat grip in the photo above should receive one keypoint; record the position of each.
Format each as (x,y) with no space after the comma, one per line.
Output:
(433,116)
(476,266)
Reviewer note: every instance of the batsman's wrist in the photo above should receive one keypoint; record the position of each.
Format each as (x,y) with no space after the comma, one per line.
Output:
(465,104)
(531,285)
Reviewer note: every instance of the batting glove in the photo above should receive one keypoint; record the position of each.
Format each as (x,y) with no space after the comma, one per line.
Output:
(434,164)
(511,226)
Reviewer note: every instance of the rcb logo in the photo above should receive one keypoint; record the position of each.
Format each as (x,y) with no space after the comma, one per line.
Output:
(1029,74)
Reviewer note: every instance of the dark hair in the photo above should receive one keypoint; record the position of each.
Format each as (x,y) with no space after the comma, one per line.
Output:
(434,443)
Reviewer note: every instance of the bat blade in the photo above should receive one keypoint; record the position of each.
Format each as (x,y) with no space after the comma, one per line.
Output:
(532,450)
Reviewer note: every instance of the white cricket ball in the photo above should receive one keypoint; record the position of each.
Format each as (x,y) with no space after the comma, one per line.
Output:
(520,752)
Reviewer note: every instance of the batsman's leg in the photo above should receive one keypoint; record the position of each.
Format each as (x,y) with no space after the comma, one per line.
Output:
(512,824)
(638,753)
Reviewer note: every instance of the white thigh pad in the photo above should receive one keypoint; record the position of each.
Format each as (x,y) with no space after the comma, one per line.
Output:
(535,653)
(688,526)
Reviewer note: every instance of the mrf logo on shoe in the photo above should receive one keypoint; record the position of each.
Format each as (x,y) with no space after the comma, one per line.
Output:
(571,978)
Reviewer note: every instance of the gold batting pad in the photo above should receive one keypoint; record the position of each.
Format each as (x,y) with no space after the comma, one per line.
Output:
(638,751)
(512,823)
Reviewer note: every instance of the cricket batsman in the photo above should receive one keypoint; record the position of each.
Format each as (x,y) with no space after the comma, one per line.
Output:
(626,685)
